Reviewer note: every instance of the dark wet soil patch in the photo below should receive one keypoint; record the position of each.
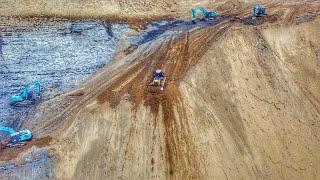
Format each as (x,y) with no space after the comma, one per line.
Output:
(7,153)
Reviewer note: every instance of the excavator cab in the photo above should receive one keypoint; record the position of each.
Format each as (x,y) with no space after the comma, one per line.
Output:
(259,10)
(24,135)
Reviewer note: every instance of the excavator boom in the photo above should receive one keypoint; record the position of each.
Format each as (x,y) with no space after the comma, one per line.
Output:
(7,129)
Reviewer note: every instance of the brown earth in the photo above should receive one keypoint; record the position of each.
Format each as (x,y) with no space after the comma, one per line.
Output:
(144,10)
(113,9)
(240,102)
(7,153)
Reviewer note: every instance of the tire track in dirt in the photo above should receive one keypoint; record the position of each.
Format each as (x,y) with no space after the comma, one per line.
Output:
(174,57)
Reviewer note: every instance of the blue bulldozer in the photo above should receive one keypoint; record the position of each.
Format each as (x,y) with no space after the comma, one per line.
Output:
(29,93)
(203,14)
(17,138)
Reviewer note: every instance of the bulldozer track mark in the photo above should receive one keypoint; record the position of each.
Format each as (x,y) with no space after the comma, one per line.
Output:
(173,56)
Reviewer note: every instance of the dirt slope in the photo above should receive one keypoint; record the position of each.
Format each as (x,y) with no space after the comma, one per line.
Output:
(253,105)
(241,102)
(111,9)
(94,8)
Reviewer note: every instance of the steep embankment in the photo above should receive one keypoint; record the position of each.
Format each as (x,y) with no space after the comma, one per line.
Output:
(251,114)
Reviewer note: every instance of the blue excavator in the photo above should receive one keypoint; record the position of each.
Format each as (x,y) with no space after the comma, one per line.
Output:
(259,10)
(30,92)
(203,13)
(17,138)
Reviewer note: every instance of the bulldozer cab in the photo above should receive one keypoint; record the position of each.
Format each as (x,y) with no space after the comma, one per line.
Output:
(159,74)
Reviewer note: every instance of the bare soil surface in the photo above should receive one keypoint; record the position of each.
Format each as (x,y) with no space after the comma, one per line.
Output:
(109,9)
(7,153)
(241,101)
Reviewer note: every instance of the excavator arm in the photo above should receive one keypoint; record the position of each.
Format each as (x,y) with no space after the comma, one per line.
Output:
(7,129)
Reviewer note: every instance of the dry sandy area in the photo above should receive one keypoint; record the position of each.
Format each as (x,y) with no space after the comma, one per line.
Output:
(241,102)
(98,8)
